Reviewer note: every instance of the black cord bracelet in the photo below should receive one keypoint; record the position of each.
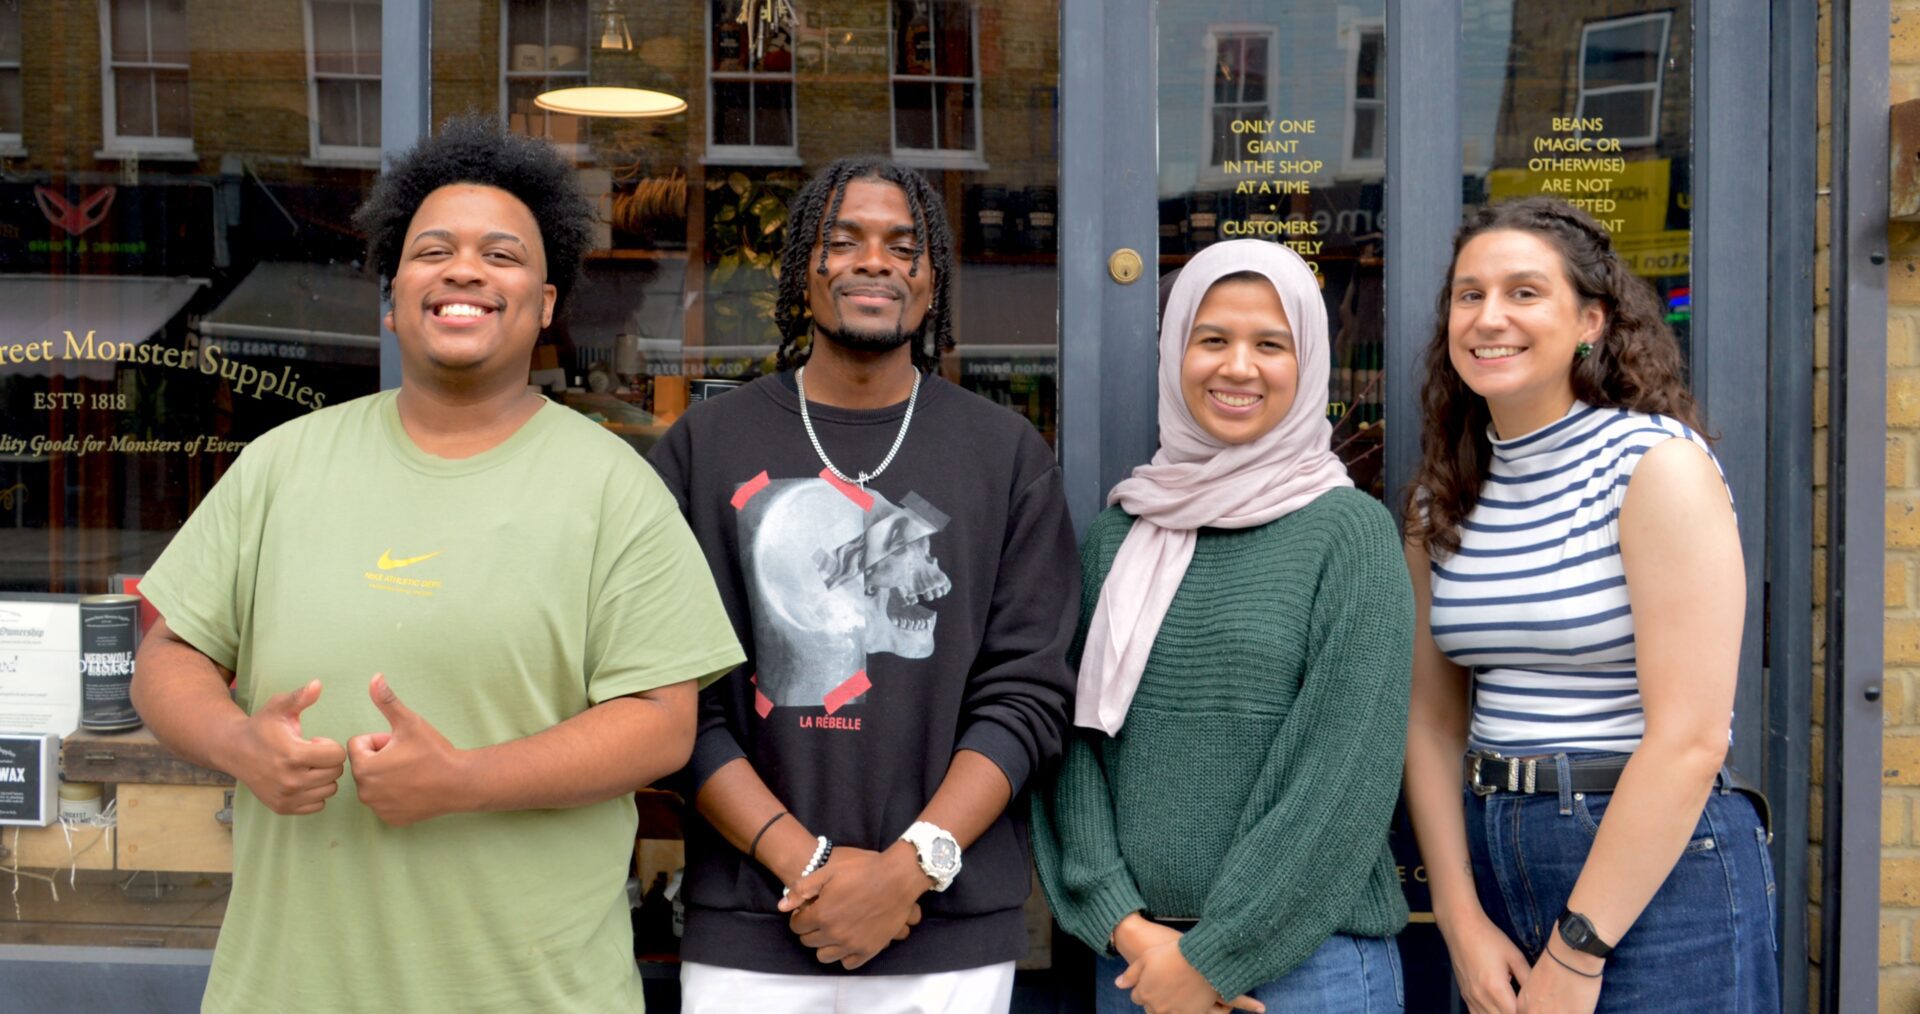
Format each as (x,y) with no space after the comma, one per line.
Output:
(753,850)
(1570,968)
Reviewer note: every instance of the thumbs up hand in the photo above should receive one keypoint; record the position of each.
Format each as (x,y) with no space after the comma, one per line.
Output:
(291,774)
(410,773)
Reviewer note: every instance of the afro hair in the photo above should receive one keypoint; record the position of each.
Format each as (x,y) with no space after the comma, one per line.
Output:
(474,149)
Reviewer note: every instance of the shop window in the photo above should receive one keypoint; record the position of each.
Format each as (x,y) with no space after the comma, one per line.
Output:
(144,76)
(1240,88)
(544,46)
(343,80)
(10,99)
(751,115)
(1367,108)
(1621,60)
(936,84)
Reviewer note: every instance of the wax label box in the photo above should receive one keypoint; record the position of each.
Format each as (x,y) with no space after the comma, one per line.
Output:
(29,779)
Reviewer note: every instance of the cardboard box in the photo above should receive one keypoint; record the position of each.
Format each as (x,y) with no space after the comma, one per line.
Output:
(39,667)
(29,779)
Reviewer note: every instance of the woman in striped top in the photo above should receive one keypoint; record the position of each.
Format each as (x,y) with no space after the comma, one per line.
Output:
(1580,596)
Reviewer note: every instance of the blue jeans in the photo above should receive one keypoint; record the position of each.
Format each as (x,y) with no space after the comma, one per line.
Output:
(1705,942)
(1346,975)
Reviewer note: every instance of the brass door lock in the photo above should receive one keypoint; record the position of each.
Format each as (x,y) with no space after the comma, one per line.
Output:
(1125,265)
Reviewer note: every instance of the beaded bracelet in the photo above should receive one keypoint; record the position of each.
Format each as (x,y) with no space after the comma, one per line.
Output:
(822,848)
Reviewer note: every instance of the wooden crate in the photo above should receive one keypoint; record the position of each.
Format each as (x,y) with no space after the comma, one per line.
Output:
(107,909)
(129,757)
(56,847)
(175,828)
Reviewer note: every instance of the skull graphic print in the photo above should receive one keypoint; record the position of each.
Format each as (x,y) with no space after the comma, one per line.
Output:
(836,574)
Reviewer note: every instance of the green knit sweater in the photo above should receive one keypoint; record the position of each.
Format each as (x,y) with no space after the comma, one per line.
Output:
(1253,784)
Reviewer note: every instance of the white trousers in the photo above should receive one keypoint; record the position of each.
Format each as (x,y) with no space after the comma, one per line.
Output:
(711,989)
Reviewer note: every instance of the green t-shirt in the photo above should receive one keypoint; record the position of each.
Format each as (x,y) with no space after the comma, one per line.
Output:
(500,594)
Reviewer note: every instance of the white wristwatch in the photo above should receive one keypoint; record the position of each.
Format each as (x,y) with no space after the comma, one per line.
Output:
(939,853)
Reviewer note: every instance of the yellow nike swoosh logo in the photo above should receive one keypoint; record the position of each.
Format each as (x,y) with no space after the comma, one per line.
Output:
(388,563)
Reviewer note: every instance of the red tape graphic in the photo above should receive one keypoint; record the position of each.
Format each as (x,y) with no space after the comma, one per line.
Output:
(855,685)
(748,491)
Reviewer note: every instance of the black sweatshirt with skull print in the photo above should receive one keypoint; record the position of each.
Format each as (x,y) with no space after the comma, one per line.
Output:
(887,626)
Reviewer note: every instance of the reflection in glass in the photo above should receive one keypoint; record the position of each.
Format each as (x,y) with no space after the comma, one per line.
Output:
(180,313)
(9,32)
(133,102)
(127,23)
(733,107)
(10,114)
(1591,101)
(1273,126)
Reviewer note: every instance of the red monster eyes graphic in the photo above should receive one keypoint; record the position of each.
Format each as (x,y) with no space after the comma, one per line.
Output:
(74,218)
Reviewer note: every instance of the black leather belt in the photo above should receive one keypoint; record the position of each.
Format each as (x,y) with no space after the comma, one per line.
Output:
(1487,773)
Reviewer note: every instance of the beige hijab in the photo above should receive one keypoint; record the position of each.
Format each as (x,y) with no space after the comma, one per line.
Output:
(1195,481)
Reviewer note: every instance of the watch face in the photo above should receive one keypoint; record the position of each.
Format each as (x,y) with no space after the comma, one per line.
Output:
(944,854)
(1576,932)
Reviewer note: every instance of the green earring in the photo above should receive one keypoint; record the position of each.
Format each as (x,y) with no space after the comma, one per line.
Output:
(1583,350)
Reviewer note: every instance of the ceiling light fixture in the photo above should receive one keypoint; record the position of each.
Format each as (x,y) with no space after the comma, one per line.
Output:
(613,28)
(600,100)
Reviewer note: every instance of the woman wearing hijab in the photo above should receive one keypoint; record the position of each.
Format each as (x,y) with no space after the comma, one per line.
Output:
(1218,829)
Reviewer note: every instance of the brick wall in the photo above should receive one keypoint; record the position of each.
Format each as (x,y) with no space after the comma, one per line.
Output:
(1900,795)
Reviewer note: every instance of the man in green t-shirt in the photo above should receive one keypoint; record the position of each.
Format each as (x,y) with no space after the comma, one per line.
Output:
(474,615)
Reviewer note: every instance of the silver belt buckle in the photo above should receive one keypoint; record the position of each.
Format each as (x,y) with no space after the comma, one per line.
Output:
(1474,777)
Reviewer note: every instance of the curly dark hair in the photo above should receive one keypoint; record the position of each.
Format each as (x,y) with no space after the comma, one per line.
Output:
(474,149)
(1635,364)
(818,203)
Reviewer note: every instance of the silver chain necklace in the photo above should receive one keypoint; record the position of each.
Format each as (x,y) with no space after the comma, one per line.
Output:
(800,383)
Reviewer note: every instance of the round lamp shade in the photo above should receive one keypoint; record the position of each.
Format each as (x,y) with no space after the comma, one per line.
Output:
(605,101)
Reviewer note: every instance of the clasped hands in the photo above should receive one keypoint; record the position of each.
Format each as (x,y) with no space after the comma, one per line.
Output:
(1160,977)
(850,909)
(405,775)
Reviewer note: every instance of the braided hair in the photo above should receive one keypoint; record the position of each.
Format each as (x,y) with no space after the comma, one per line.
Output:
(1635,363)
(817,204)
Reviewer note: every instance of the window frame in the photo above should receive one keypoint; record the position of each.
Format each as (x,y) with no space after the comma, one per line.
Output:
(13,142)
(969,159)
(355,155)
(750,154)
(1657,86)
(582,151)
(1357,31)
(137,144)
(1212,171)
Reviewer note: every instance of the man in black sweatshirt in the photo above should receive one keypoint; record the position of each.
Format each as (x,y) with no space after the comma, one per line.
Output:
(896,556)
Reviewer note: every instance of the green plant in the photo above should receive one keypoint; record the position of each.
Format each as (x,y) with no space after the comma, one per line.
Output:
(746,228)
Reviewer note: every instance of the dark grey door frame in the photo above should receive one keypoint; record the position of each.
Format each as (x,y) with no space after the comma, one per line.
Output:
(1787,655)
(406,112)
(1109,175)
(1422,206)
(1856,497)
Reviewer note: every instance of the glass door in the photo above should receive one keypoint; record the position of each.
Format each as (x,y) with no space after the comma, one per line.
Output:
(1359,134)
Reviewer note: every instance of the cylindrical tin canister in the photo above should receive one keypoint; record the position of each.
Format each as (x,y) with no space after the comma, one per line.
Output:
(109,633)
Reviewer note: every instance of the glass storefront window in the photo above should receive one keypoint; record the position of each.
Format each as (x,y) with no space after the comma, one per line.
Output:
(680,292)
(10,100)
(1273,126)
(1592,102)
(176,278)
